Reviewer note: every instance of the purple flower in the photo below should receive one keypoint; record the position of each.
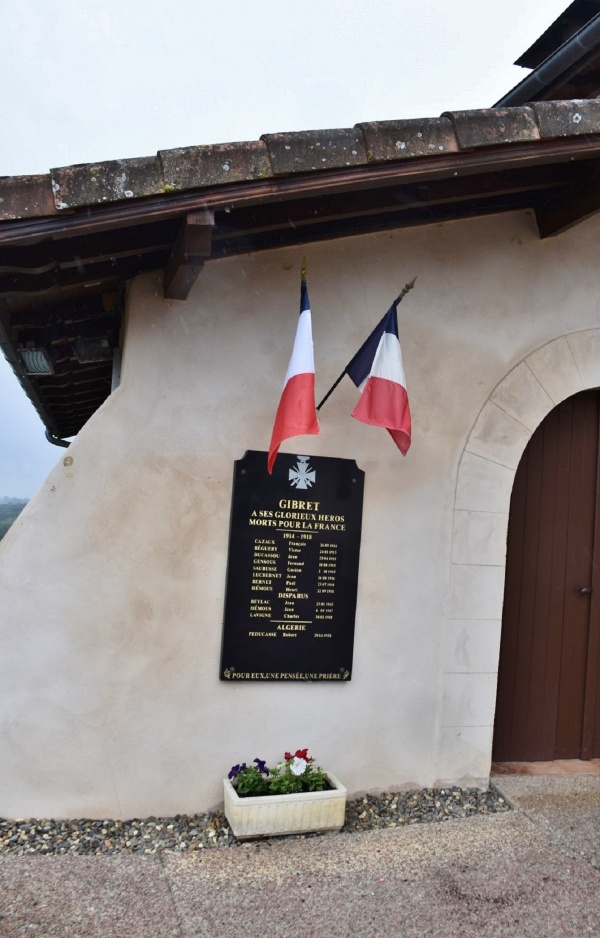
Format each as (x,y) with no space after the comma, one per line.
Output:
(262,766)
(235,770)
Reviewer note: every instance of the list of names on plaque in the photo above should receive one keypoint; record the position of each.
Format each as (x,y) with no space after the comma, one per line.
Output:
(293,569)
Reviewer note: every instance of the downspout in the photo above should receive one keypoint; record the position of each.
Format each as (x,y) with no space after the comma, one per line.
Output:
(56,439)
(558,63)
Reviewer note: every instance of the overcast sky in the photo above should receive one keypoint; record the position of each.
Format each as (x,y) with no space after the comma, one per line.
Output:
(84,81)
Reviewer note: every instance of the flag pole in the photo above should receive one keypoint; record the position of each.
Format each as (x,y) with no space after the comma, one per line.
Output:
(331,389)
(303,269)
(407,287)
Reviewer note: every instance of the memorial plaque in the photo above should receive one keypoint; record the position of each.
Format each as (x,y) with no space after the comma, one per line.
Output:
(292,575)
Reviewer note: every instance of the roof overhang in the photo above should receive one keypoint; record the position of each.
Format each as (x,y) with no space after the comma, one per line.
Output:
(71,240)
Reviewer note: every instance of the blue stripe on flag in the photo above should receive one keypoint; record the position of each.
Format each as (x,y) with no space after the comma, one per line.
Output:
(304,304)
(359,368)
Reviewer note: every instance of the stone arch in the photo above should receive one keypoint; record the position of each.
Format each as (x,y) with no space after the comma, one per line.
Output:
(487,467)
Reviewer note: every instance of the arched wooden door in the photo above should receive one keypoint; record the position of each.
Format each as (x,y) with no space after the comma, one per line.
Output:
(548,703)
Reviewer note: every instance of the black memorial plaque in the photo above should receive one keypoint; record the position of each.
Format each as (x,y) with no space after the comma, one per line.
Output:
(292,575)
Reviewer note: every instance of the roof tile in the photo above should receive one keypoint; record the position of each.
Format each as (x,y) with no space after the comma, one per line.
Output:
(404,139)
(567,118)
(309,150)
(287,154)
(113,181)
(213,165)
(490,127)
(25,197)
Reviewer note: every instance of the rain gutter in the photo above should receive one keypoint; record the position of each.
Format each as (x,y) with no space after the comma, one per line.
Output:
(566,57)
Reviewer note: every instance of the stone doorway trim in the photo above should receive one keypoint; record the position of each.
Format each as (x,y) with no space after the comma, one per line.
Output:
(516,407)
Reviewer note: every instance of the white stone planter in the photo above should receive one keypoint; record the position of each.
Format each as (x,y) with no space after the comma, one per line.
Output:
(270,815)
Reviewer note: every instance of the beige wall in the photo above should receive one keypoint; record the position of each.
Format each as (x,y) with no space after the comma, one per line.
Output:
(112,580)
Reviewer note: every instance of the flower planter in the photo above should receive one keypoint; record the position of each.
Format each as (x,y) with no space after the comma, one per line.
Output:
(272,815)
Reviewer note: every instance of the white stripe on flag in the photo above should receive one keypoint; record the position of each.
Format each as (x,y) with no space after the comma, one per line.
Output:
(303,356)
(387,362)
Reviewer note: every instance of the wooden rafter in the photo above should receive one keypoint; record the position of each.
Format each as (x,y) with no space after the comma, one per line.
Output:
(192,246)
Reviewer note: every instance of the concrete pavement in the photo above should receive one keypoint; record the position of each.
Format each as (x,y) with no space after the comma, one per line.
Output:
(533,871)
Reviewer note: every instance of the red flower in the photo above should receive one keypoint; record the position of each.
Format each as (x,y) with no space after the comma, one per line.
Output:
(288,756)
(302,754)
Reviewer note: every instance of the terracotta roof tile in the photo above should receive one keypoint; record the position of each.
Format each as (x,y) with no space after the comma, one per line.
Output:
(567,118)
(92,183)
(25,197)
(490,127)
(403,140)
(311,150)
(202,166)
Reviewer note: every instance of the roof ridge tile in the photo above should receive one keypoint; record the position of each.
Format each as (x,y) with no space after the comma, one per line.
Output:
(308,151)
(406,139)
(25,197)
(567,118)
(213,164)
(108,181)
(488,127)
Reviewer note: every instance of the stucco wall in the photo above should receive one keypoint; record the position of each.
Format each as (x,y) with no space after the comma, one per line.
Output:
(112,580)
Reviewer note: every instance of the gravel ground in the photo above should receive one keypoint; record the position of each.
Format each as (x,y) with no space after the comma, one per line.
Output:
(184,833)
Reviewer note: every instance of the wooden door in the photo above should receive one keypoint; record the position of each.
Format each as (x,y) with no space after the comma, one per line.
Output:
(548,703)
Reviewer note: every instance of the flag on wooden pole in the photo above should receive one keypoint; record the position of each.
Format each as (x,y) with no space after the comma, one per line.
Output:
(296,414)
(378,373)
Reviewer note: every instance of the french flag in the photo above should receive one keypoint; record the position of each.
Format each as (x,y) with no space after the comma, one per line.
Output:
(378,373)
(297,414)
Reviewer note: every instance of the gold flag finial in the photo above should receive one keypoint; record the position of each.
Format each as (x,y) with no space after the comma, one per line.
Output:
(303,269)
(407,287)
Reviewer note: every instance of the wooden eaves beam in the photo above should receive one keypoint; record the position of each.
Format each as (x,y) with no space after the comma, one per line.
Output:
(186,261)
(568,208)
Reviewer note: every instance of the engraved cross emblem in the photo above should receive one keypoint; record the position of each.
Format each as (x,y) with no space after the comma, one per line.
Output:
(302,476)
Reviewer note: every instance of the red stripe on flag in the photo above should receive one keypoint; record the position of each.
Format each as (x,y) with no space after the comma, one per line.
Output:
(296,414)
(384,403)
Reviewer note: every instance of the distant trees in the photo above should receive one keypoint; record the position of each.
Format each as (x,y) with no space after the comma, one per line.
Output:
(10,509)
